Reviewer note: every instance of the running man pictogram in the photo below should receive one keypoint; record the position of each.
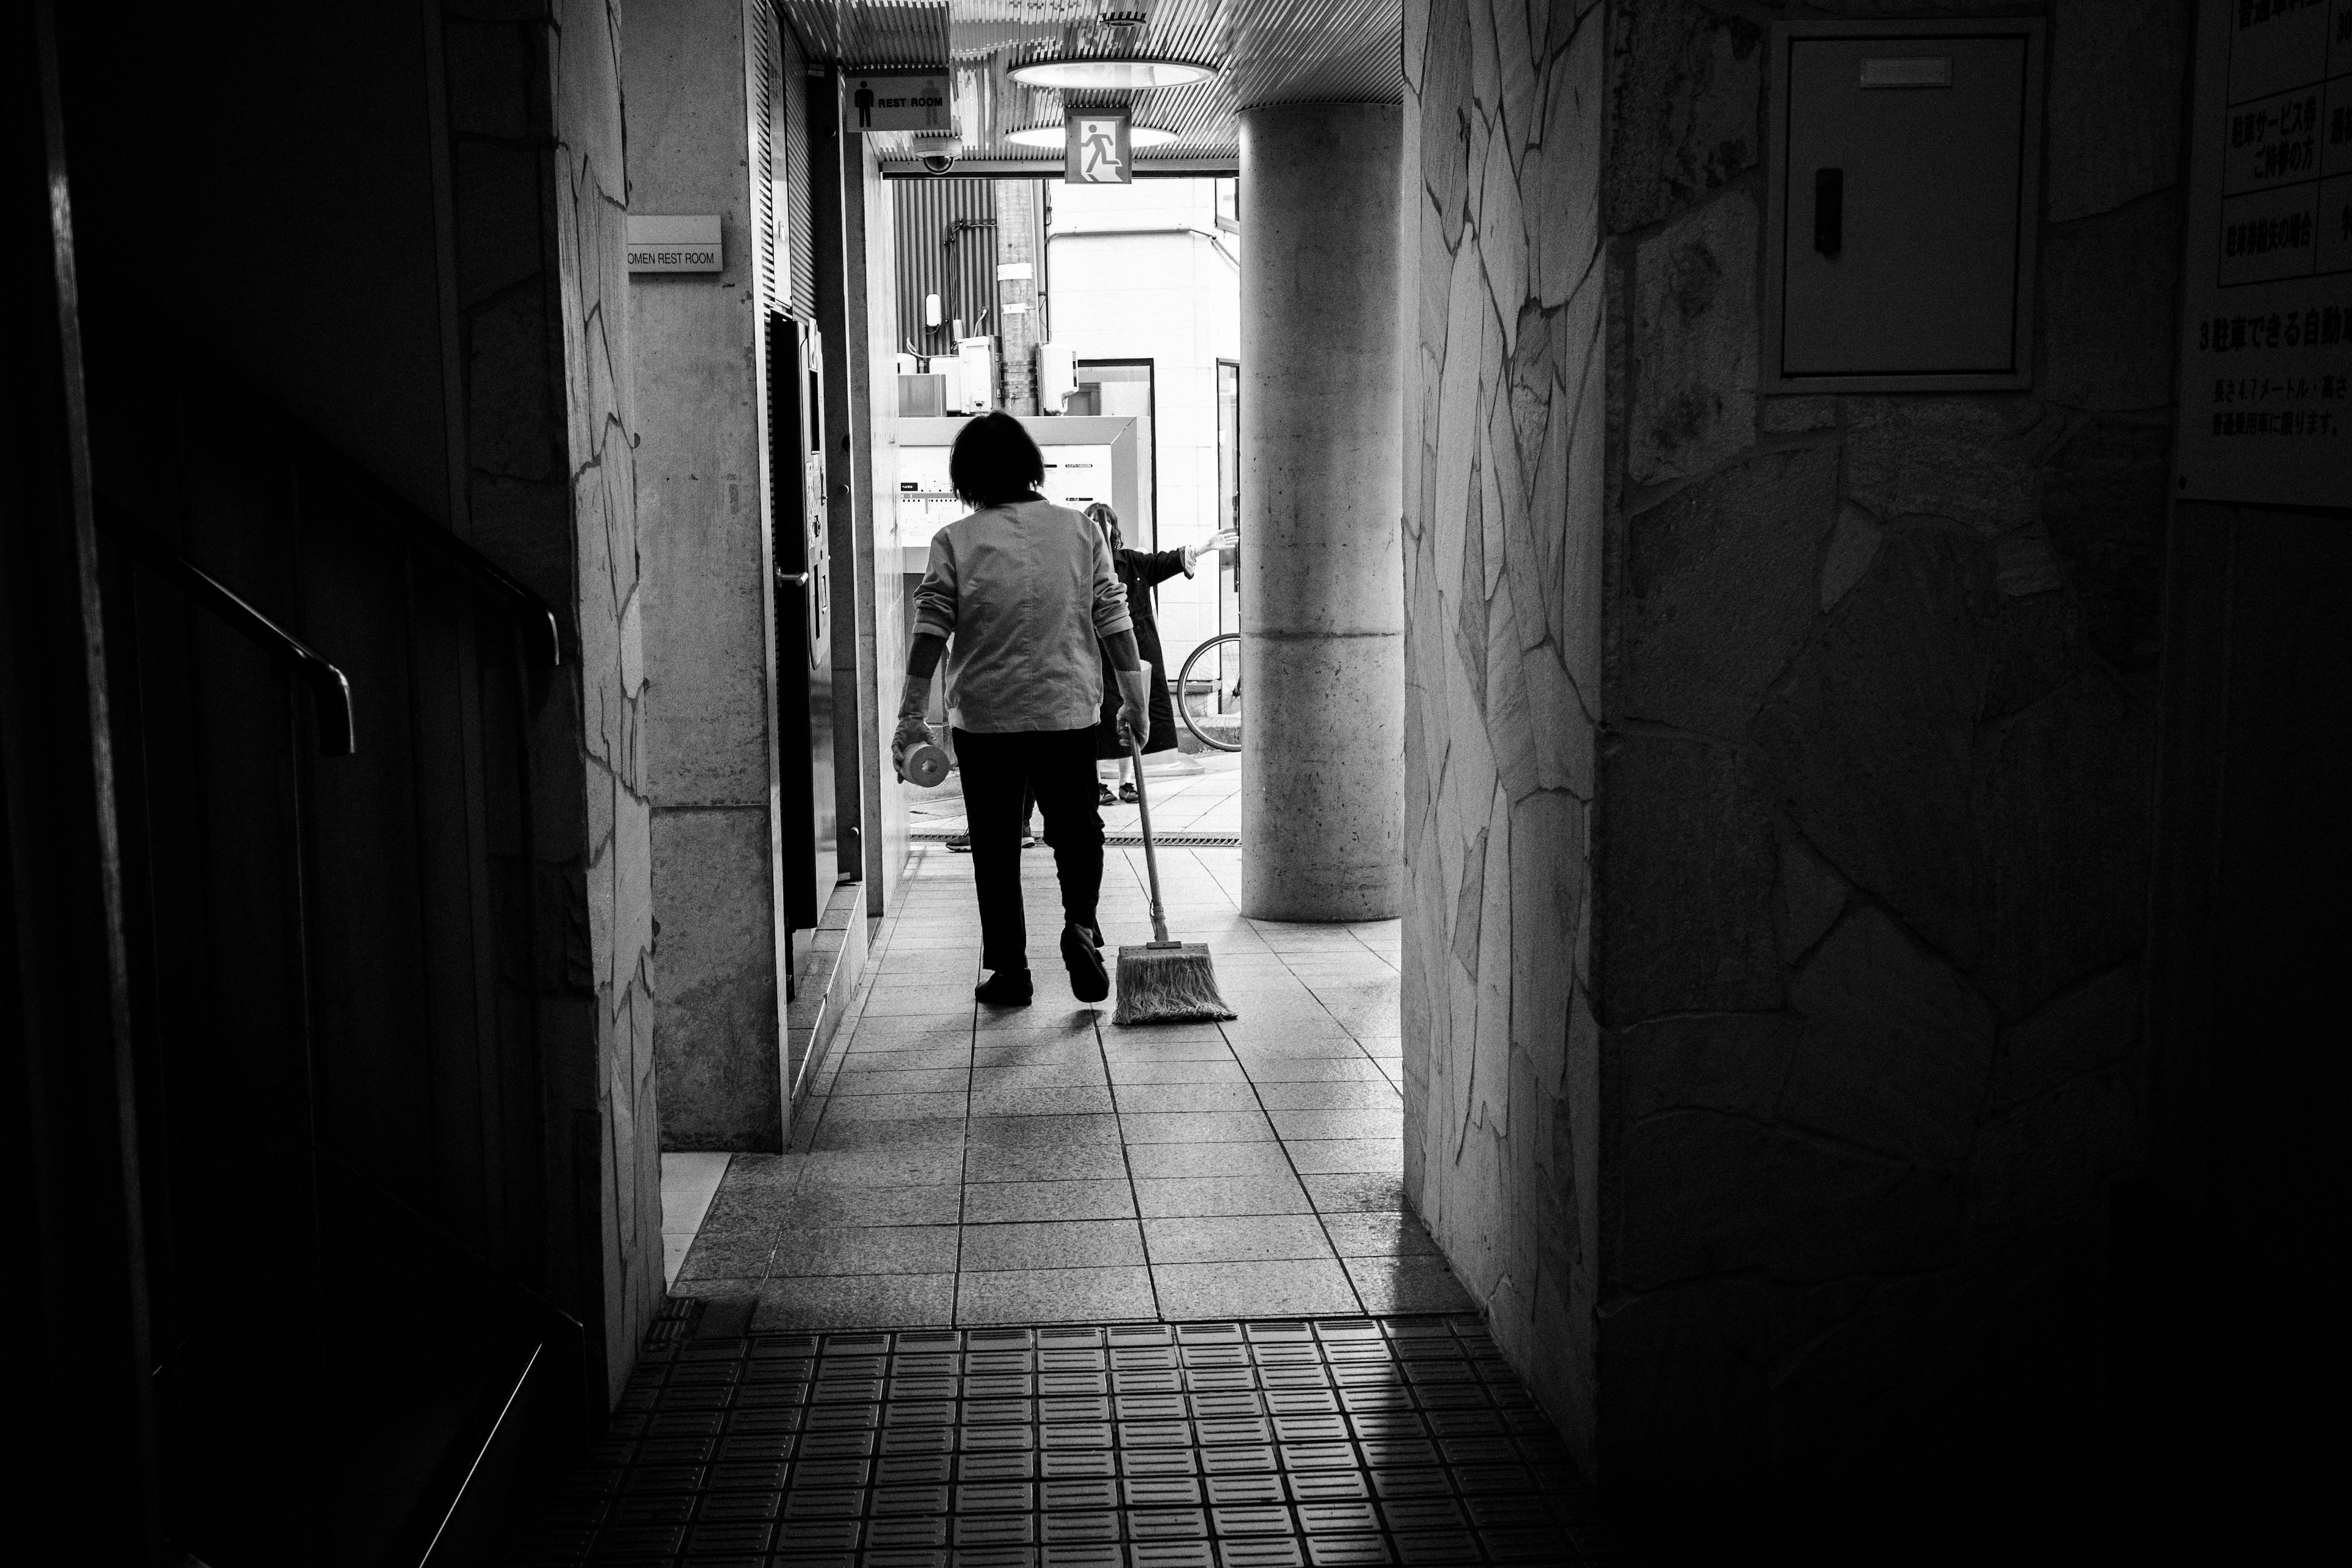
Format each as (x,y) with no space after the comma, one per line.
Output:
(1099,153)
(1102,157)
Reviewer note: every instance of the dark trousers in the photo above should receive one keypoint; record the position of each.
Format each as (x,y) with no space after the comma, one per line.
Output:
(1056,766)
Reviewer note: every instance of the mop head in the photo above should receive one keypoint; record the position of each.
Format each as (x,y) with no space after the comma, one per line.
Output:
(1167,982)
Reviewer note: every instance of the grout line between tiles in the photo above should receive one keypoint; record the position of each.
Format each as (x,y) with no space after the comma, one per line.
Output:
(963,1163)
(1127,1164)
(1284,1143)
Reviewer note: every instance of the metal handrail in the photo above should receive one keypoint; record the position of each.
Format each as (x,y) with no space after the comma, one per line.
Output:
(541,632)
(330,693)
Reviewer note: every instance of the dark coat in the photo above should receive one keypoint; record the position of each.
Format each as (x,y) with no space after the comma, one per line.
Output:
(1141,570)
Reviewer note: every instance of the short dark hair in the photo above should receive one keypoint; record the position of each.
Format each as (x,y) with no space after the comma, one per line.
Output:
(995,462)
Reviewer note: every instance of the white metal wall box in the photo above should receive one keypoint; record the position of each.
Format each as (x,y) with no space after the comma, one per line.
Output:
(1903,203)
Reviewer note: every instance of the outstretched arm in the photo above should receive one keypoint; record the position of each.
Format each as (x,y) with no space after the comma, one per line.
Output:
(1216,543)
(1168,562)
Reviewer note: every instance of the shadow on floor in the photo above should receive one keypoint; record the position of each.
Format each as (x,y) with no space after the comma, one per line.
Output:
(1228,1444)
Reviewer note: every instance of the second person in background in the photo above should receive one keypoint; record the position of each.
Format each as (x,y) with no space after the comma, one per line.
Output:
(1141,571)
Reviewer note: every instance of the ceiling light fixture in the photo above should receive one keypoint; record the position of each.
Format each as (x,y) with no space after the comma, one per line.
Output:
(1110,76)
(1137,137)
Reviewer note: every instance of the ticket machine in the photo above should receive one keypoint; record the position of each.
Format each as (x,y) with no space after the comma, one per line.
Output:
(1087,460)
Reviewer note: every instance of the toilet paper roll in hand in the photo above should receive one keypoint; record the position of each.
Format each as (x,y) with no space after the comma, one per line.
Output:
(925,765)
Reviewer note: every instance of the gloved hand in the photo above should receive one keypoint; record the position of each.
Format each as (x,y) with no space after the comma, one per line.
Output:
(911,732)
(1135,705)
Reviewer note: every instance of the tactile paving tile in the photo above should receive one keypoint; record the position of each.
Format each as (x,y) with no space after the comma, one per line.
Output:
(1248,1445)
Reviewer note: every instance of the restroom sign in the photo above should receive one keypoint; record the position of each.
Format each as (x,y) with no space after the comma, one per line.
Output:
(912,102)
(1097,150)
(674,245)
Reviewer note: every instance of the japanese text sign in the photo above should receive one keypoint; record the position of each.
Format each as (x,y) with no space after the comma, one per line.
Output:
(2266,353)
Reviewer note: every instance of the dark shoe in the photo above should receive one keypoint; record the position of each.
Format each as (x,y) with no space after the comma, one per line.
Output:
(1127,792)
(1103,795)
(1089,981)
(1005,988)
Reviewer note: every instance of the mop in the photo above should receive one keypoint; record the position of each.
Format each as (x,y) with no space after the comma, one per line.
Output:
(1163,982)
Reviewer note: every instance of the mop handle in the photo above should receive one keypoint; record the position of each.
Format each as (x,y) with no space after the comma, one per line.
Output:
(1150,856)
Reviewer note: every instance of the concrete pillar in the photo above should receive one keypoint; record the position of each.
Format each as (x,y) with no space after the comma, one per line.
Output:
(1322,573)
(703,742)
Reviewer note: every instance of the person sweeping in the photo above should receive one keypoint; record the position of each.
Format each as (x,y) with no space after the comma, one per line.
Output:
(1027,592)
(1024,598)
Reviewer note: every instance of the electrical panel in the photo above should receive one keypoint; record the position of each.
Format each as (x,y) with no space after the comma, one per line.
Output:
(1904,199)
(978,358)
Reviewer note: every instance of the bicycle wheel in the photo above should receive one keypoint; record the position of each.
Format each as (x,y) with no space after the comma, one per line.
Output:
(1209,699)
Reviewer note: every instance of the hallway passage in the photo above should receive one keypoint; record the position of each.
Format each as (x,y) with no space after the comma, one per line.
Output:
(961,1165)
(1031,1290)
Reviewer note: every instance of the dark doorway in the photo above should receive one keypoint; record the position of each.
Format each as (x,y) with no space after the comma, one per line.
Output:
(810,809)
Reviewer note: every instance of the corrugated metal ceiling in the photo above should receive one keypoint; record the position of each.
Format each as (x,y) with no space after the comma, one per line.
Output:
(1264,51)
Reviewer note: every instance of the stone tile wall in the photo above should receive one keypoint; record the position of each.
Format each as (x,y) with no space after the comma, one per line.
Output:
(1868,817)
(538,194)
(1506,423)
(592,204)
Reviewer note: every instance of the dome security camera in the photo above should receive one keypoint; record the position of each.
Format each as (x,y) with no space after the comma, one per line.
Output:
(937,163)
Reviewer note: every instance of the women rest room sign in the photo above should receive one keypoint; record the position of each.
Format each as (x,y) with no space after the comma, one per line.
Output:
(674,245)
(2266,352)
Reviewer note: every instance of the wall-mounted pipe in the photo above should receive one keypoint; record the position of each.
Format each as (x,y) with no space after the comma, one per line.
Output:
(1214,240)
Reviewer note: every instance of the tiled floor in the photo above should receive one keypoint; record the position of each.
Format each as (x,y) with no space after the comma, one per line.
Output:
(1031,1290)
(690,1183)
(972,1166)
(1230,1445)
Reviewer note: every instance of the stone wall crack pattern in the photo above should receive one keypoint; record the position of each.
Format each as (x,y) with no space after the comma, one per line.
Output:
(1809,739)
(1502,461)
(1925,772)
(540,198)
(593,206)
